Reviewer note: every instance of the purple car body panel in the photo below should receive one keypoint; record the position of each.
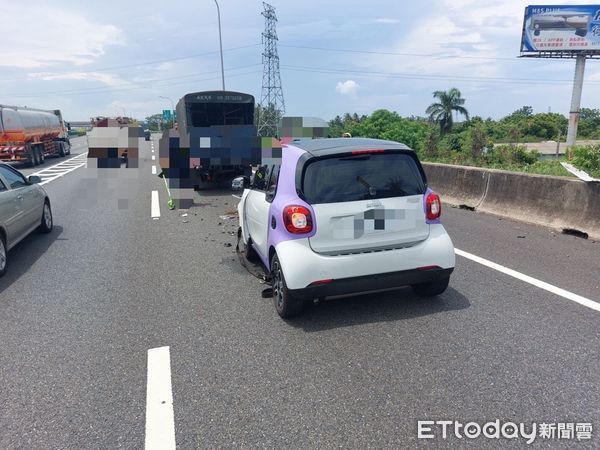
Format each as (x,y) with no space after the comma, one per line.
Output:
(286,195)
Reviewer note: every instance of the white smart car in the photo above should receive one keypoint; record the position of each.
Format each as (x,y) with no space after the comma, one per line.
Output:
(340,216)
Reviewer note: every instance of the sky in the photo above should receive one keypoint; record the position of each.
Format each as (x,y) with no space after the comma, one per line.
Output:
(118,58)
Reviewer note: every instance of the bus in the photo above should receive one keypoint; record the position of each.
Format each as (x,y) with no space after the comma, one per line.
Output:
(217,136)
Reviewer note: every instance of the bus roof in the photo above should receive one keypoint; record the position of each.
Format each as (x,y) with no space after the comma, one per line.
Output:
(218,97)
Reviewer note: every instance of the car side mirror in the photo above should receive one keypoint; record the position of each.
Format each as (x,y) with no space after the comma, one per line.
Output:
(34,179)
(240,183)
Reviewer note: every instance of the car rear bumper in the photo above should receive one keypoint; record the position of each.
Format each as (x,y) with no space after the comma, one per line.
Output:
(375,282)
(302,266)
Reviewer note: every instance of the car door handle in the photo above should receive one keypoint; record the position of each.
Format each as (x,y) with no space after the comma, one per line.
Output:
(20,197)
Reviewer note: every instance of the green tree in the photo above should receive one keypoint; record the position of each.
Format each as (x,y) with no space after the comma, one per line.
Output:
(441,111)
(155,121)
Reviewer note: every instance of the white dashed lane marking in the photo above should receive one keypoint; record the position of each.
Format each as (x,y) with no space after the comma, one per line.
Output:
(160,422)
(155,206)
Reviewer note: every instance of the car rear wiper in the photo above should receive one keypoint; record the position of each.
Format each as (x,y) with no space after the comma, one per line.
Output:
(372,190)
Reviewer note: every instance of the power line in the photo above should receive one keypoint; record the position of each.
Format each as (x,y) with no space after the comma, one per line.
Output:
(424,55)
(124,85)
(50,94)
(414,76)
(147,63)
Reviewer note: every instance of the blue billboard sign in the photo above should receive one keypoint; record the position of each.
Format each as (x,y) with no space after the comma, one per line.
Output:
(551,28)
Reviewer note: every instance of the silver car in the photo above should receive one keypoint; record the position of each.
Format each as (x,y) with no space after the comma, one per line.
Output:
(24,207)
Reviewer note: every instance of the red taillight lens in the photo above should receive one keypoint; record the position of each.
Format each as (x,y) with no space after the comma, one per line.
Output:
(297,219)
(433,206)
(368,151)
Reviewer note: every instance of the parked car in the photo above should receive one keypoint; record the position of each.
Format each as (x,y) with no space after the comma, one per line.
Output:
(342,216)
(24,207)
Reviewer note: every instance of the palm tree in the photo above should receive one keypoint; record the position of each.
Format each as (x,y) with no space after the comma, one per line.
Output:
(441,112)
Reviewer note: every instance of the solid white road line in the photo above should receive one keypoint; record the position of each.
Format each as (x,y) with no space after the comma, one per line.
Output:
(160,422)
(153,170)
(533,281)
(155,206)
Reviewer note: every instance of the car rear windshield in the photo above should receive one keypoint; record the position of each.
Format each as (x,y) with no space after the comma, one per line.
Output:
(348,178)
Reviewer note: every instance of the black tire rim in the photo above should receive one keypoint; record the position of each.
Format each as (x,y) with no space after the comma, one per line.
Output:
(2,255)
(277,285)
(47,216)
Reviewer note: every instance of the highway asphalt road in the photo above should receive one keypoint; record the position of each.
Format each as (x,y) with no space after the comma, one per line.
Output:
(80,309)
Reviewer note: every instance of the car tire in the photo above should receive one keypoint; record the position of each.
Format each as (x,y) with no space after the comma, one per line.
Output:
(47,220)
(246,249)
(285,304)
(432,288)
(3,255)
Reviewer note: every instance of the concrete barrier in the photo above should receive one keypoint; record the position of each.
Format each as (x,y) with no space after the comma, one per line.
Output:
(460,185)
(556,202)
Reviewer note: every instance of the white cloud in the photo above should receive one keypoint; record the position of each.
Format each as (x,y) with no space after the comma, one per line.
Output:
(60,36)
(348,87)
(105,78)
(387,20)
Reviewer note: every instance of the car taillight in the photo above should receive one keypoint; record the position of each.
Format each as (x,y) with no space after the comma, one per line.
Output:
(433,206)
(297,219)
(368,151)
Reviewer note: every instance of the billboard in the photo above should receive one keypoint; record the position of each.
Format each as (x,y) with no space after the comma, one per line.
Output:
(551,28)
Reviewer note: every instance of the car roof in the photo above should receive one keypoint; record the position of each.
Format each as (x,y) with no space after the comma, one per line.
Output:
(328,146)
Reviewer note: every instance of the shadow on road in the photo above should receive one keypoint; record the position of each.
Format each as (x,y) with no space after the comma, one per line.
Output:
(388,306)
(26,253)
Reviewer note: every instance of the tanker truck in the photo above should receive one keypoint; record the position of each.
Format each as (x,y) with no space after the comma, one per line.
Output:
(30,135)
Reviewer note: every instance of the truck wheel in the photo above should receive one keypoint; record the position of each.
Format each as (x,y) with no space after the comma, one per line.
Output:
(42,157)
(285,304)
(61,149)
(47,220)
(3,255)
(35,159)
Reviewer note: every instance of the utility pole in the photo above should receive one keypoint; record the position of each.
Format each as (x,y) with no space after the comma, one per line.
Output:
(576,99)
(220,45)
(272,105)
(172,107)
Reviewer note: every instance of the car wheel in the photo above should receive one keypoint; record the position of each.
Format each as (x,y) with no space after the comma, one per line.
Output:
(285,304)
(245,249)
(3,256)
(432,288)
(47,220)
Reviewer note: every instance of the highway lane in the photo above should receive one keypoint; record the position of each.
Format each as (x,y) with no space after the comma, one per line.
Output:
(78,147)
(81,307)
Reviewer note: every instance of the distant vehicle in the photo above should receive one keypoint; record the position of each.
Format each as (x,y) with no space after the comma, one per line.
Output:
(341,216)
(30,135)
(24,207)
(147,135)
(225,117)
